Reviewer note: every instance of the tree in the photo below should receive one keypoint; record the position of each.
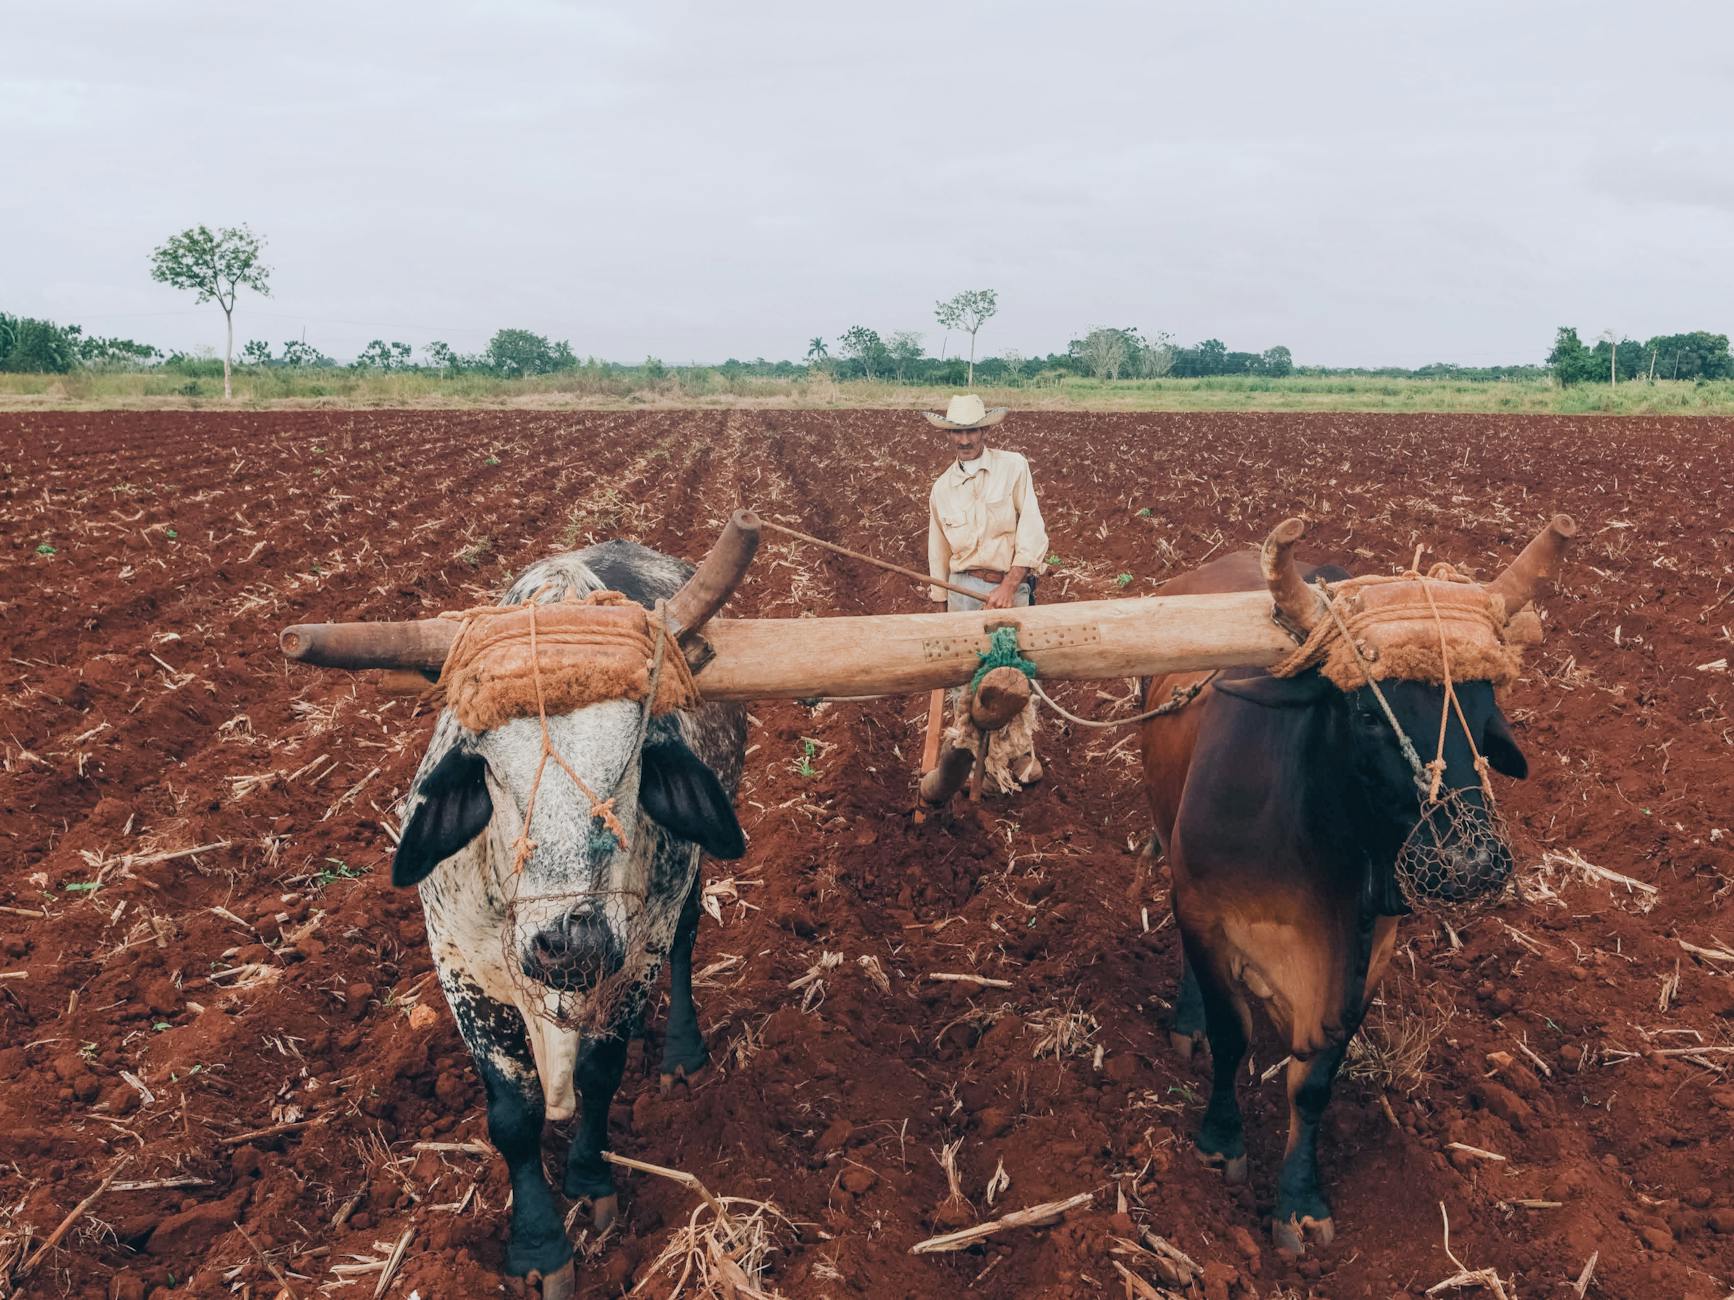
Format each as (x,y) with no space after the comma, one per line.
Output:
(256,353)
(215,266)
(441,356)
(380,355)
(299,354)
(114,353)
(37,345)
(818,355)
(514,353)
(1570,361)
(864,345)
(969,311)
(1104,352)
(1156,357)
(904,350)
(1698,355)
(1277,362)
(1013,361)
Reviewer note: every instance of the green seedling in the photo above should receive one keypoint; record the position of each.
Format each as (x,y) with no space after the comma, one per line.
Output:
(1123,581)
(43,548)
(805,767)
(338,870)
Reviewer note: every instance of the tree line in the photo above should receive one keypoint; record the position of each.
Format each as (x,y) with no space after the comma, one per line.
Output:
(215,265)
(1698,356)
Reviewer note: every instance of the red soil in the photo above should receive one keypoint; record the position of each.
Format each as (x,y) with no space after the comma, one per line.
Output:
(278,978)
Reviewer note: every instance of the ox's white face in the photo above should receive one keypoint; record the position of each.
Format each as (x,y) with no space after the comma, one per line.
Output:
(574,867)
(578,905)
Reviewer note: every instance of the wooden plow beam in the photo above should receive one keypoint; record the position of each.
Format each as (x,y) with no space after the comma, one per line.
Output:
(905,654)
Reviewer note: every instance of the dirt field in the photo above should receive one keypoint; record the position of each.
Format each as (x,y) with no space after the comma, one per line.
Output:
(198,938)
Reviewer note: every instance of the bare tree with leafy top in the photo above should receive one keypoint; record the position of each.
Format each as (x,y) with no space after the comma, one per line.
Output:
(968,312)
(215,265)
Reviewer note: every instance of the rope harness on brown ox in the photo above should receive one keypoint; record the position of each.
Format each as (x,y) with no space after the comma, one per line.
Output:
(562,656)
(1432,628)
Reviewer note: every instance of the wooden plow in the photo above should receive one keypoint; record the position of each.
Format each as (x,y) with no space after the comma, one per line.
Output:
(904,654)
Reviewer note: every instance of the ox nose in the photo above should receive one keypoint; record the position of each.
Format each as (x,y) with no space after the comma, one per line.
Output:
(576,952)
(1476,872)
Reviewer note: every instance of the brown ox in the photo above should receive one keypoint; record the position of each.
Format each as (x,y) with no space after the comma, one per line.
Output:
(1283,803)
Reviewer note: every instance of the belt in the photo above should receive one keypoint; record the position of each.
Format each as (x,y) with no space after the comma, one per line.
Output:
(988,575)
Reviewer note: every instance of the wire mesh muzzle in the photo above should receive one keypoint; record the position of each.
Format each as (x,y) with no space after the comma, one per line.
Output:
(1457,860)
(603,988)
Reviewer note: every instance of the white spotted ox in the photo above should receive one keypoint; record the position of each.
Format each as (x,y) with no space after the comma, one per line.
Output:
(506,969)
(519,951)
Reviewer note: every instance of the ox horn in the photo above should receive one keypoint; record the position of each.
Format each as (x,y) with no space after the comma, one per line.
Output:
(1297,605)
(716,577)
(423,644)
(1522,580)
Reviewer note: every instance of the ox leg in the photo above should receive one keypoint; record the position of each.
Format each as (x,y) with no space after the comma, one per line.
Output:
(1221,1140)
(537,1248)
(1186,1030)
(1302,1214)
(683,1050)
(601,1062)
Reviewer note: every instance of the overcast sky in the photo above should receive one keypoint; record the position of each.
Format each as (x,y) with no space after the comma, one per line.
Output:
(1367,183)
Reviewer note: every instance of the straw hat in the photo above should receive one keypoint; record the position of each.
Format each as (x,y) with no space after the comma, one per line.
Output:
(966,411)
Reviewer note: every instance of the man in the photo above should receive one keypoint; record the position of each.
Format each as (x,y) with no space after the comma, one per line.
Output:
(985,532)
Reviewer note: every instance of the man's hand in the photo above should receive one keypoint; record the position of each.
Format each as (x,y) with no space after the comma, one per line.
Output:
(1001,597)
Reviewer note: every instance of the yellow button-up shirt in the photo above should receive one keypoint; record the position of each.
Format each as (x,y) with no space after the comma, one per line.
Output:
(987,519)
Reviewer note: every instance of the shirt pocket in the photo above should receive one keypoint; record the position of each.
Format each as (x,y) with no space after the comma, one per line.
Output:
(959,532)
(1002,519)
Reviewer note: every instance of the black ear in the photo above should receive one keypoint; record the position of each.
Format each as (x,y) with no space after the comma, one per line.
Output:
(1298,692)
(455,807)
(683,796)
(1501,749)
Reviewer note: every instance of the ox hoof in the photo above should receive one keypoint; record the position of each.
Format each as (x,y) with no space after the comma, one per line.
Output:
(677,1077)
(1232,1168)
(1291,1236)
(561,1284)
(1185,1045)
(604,1210)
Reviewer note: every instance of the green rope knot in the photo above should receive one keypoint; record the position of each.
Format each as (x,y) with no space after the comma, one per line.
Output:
(1001,652)
(602,840)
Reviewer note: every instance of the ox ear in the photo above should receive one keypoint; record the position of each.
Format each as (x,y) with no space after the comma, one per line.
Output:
(1501,749)
(454,808)
(683,796)
(1298,692)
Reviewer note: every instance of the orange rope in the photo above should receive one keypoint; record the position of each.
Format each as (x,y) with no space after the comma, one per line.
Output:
(602,809)
(1450,703)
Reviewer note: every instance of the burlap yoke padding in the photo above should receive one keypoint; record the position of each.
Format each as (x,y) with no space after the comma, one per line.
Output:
(1405,626)
(585,651)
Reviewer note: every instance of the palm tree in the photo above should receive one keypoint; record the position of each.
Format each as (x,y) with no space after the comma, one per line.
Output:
(816,351)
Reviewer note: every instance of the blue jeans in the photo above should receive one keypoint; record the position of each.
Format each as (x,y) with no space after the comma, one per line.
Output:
(957,603)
